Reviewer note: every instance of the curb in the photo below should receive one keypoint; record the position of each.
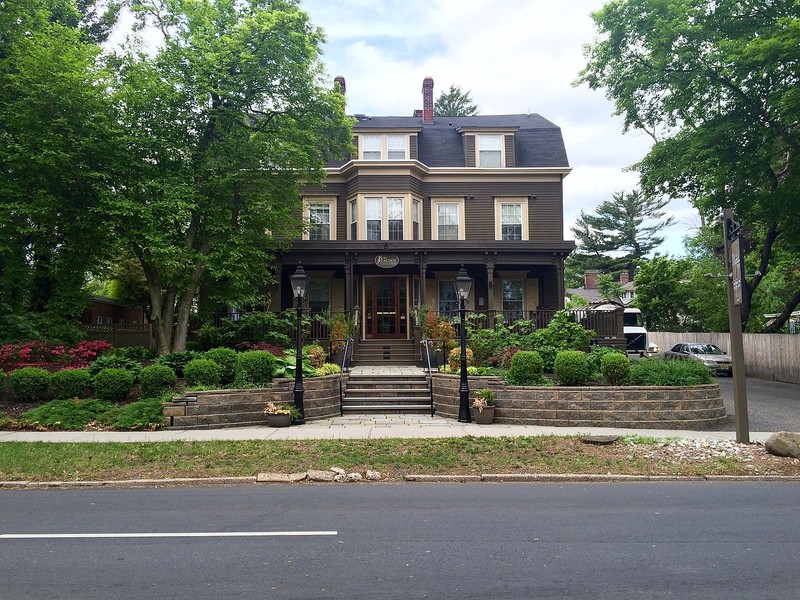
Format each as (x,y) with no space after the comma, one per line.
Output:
(487,477)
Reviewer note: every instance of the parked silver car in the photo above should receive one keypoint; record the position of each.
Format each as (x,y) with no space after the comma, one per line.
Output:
(710,355)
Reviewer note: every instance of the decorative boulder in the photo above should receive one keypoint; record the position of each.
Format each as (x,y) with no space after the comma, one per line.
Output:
(784,443)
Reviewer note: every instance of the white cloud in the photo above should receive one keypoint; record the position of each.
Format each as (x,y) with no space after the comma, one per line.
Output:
(514,56)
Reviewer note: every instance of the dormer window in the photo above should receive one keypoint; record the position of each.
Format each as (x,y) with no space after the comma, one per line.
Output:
(490,150)
(383,147)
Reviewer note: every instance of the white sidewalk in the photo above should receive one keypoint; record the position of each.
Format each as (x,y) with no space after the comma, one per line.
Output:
(359,427)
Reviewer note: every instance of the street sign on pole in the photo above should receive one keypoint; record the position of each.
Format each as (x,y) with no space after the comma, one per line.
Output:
(734,279)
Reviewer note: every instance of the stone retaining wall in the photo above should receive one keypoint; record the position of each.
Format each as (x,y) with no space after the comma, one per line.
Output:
(691,407)
(220,408)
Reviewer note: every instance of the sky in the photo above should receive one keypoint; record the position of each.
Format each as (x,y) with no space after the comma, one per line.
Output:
(513,56)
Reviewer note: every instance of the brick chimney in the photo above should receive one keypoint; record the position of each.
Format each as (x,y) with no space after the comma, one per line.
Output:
(624,278)
(342,87)
(427,100)
(590,278)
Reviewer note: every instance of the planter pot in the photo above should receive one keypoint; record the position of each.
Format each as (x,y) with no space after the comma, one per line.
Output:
(484,417)
(279,420)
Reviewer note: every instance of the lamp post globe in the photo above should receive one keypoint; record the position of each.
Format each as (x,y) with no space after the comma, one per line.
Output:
(299,281)
(463,285)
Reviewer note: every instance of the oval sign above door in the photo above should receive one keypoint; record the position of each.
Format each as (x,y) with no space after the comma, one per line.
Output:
(387,261)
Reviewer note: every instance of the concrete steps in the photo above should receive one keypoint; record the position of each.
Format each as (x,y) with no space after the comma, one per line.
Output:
(388,393)
(385,352)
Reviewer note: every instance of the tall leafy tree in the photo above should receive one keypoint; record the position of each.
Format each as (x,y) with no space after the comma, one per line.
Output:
(454,103)
(222,123)
(57,134)
(715,82)
(622,231)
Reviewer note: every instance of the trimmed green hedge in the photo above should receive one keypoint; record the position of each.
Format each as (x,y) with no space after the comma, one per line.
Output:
(30,384)
(156,380)
(113,384)
(70,383)
(657,371)
(571,367)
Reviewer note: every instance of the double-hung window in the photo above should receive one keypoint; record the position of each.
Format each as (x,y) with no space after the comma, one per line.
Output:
(415,226)
(511,219)
(319,221)
(370,147)
(319,294)
(513,298)
(383,147)
(320,215)
(374,214)
(396,147)
(490,150)
(448,219)
(353,220)
(394,218)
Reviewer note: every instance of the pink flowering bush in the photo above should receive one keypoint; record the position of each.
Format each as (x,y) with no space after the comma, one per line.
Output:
(51,356)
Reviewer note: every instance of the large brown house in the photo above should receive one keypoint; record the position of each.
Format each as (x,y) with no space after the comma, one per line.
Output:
(391,225)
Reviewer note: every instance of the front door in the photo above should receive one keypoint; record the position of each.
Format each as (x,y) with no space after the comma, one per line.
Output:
(385,300)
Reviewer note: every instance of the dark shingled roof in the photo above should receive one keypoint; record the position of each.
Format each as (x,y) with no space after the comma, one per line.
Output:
(538,142)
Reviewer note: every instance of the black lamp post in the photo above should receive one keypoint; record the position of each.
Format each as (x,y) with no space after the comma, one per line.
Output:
(299,286)
(463,286)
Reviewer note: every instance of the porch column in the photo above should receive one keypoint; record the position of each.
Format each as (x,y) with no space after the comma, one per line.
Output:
(348,281)
(489,261)
(423,268)
(559,264)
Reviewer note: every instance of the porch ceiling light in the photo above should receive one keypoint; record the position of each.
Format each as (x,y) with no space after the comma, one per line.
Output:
(299,283)
(463,283)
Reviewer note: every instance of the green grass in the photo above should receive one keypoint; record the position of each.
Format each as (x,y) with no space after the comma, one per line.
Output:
(394,458)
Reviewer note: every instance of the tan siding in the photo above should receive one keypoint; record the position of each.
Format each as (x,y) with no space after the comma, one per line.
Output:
(469,150)
(511,157)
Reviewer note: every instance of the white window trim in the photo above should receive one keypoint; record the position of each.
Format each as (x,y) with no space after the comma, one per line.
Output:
(361,218)
(502,150)
(384,139)
(435,202)
(521,281)
(498,225)
(331,201)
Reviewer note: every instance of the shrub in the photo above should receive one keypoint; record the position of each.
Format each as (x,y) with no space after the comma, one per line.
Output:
(156,380)
(178,360)
(505,355)
(328,369)
(30,384)
(657,371)
(571,367)
(144,414)
(526,369)
(255,368)
(66,414)
(548,354)
(315,355)
(115,361)
(226,359)
(137,353)
(616,368)
(113,384)
(70,383)
(454,359)
(596,354)
(202,372)
(209,337)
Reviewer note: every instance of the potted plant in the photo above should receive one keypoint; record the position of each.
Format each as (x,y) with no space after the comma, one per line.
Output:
(483,406)
(340,328)
(281,414)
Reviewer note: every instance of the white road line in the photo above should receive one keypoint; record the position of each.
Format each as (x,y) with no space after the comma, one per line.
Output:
(57,536)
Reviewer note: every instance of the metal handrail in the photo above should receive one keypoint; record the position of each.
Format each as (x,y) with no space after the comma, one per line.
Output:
(344,367)
(425,346)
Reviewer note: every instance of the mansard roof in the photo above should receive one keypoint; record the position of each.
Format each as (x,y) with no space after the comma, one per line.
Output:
(538,142)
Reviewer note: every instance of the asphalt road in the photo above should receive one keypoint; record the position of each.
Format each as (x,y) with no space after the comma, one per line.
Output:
(772,405)
(654,540)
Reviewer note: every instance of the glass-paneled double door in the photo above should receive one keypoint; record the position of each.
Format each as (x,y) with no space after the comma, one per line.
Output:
(385,307)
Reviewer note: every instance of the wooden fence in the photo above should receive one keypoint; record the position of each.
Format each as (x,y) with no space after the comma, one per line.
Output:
(120,335)
(766,355)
